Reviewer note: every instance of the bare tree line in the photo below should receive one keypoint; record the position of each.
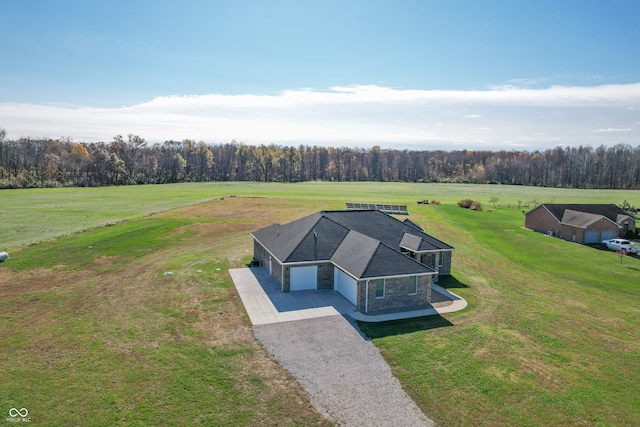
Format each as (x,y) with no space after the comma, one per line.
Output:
(33,162)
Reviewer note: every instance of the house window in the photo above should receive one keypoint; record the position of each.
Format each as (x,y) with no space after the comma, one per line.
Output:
(380,288)
(441,260)
(413,285)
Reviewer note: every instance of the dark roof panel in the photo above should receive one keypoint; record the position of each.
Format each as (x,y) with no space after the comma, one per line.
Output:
(411,242)
(320,242)
(382,227)
(282,240)
(355,253)
(388,262)
(413,224)
(579,219)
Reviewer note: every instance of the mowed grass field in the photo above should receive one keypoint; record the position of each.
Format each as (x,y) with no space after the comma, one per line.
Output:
(95,332)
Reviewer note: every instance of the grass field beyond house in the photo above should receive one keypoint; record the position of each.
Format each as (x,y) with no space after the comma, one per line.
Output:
(138,323)
(551,335)
(30,216)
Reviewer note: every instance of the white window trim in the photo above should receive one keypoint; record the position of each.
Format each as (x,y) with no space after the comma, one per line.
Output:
(416,284)
(384,286)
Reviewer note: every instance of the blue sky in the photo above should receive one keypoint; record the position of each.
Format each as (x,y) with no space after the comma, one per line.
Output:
(407,74)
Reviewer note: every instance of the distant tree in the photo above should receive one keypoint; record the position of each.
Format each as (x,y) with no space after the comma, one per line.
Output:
(177,167)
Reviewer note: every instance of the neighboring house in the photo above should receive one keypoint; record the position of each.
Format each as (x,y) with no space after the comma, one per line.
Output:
(377,262)
(580,223)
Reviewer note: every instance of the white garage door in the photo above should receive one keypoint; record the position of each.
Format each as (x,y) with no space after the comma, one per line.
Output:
(345,285)
(591,237)
(304,278)
(608,235)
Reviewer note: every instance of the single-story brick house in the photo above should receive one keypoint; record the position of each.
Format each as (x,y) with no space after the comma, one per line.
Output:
(377,262)
(586,223)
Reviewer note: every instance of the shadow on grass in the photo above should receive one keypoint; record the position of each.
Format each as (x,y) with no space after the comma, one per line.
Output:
(399,327)
(450,282)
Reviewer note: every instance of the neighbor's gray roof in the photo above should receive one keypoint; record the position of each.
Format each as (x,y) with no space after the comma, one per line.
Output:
(362,243)
(579,219)
(609,211)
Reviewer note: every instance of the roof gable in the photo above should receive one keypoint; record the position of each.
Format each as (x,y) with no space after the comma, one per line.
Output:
(320,242)
(579,219)
(388,262)
(311,238)
(411,242)
(281,240)
(355,253)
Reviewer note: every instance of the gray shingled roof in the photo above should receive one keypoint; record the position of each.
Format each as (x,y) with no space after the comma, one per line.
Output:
(365,244)
(609,211)
(355,253)
(579,219)
(413,224)
(383,227)
(312,238)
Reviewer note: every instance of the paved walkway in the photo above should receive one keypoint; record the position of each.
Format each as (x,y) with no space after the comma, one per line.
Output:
(266,304)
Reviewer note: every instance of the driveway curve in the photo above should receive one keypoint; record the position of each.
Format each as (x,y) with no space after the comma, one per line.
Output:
(345,376)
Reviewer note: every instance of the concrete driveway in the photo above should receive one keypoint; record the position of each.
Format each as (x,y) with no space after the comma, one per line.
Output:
(265,303)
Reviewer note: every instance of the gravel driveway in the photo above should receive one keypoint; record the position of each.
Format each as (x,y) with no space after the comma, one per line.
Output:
(345,376)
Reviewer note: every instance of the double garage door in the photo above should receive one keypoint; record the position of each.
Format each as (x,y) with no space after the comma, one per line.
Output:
(596,236)
(303,278)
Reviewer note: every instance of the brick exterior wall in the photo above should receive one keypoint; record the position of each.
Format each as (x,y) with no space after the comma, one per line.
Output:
(325,276)
(631,226)
(261,254)
(429,259)
(540,220)
(601,225)
(396,296)
(446,262)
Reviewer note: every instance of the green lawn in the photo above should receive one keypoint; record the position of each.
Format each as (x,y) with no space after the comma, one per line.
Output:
(29,216)
(95,333)
(551,335)
(139,324)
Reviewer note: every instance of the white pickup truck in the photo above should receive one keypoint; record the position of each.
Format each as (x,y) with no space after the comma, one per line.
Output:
(621,245)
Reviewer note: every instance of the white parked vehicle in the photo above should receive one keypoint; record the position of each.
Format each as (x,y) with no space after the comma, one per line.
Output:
(619,245)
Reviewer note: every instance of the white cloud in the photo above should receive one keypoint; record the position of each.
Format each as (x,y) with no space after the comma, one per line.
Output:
(355,116)
(614,130)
